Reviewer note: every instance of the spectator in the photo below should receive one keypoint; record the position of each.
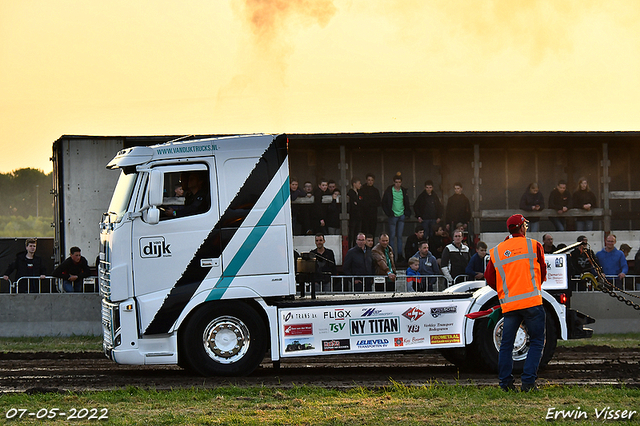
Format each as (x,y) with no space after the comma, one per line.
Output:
(428,209)
(476,265)
(383,260)
(296,209)
(27,264)
(581,261)
(331,186)
(73,271)
(413,240)
(455,258)
(438,241)
(355,261)
(585,200)
(395,203)
(626,249)
(532,201)
(428,265)
(354,208)
(197,200)
(319,213)
(369,242)
(458,208)
(547,244)
(612,260)
(358,263)
(370,202)
(325,264)
(560,202)
(414,280)
(333,213)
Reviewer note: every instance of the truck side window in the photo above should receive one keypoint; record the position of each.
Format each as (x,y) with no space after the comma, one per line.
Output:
(186,193)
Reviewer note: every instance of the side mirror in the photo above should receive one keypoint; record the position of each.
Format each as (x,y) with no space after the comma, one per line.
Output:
(156,184)
(152,215)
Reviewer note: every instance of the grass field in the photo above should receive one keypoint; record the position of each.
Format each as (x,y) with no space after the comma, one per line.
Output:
(435,403)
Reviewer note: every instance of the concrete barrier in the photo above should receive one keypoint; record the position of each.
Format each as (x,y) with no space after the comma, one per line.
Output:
(611,315)
(30,315)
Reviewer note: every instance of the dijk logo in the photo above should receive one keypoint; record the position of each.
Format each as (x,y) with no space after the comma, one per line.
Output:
(154,247)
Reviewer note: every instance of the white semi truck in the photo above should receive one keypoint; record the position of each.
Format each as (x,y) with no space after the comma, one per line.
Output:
(208,282)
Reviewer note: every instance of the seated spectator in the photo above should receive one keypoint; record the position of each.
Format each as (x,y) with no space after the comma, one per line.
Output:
(413,240)
(476,265)
(27,264)
(414,280)
(73,271)
(325,264)
(532,200)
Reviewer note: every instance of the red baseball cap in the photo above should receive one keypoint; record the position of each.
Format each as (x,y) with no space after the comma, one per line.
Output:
(515,221)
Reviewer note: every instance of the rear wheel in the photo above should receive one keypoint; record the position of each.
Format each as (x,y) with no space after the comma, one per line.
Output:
(486,343)
(224,340)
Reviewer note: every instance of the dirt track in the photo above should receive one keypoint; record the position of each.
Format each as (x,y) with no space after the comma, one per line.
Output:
(590,365)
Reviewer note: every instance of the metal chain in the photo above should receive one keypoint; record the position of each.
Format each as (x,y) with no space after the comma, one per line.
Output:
(611,289)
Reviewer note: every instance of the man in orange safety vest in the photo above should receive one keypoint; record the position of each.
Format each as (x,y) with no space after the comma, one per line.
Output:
(516,271)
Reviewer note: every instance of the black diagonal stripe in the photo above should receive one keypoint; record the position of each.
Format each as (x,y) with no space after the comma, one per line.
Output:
(220,235)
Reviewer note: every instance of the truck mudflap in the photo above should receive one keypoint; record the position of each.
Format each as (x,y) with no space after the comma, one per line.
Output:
(576,322)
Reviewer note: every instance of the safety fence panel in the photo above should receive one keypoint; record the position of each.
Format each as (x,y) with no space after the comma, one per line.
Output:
(48,284)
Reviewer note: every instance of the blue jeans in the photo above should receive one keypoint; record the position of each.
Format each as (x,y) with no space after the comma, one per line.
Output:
(72,287)
(559,223)
(534,319)
(534,226)
(396,229)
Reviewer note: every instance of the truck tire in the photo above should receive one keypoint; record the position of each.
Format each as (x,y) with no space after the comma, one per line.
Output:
(224,340)
(486,343)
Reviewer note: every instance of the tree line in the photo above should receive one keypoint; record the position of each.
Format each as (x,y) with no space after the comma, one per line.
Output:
(27,204)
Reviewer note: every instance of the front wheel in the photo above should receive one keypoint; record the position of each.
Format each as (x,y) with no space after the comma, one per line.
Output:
(224,340)
(487,343)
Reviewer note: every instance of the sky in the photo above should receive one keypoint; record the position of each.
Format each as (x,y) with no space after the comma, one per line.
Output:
(73,67)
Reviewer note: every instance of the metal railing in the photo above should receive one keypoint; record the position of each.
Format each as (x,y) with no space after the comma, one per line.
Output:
(46,285)
(359,284)
(629,283)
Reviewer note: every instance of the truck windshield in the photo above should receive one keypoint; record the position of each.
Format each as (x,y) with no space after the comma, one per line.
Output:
(121,196)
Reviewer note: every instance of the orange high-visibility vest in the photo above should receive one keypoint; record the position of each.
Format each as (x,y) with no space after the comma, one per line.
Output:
(518,277)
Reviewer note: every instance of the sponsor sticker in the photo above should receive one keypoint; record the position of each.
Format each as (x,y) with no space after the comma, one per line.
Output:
(298,316)
(336,345)
(152,247)
(413,314)
(398,341)
(337,314)
(372,343)
(438,339)
(376,326)
(298,329)
(436,312)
